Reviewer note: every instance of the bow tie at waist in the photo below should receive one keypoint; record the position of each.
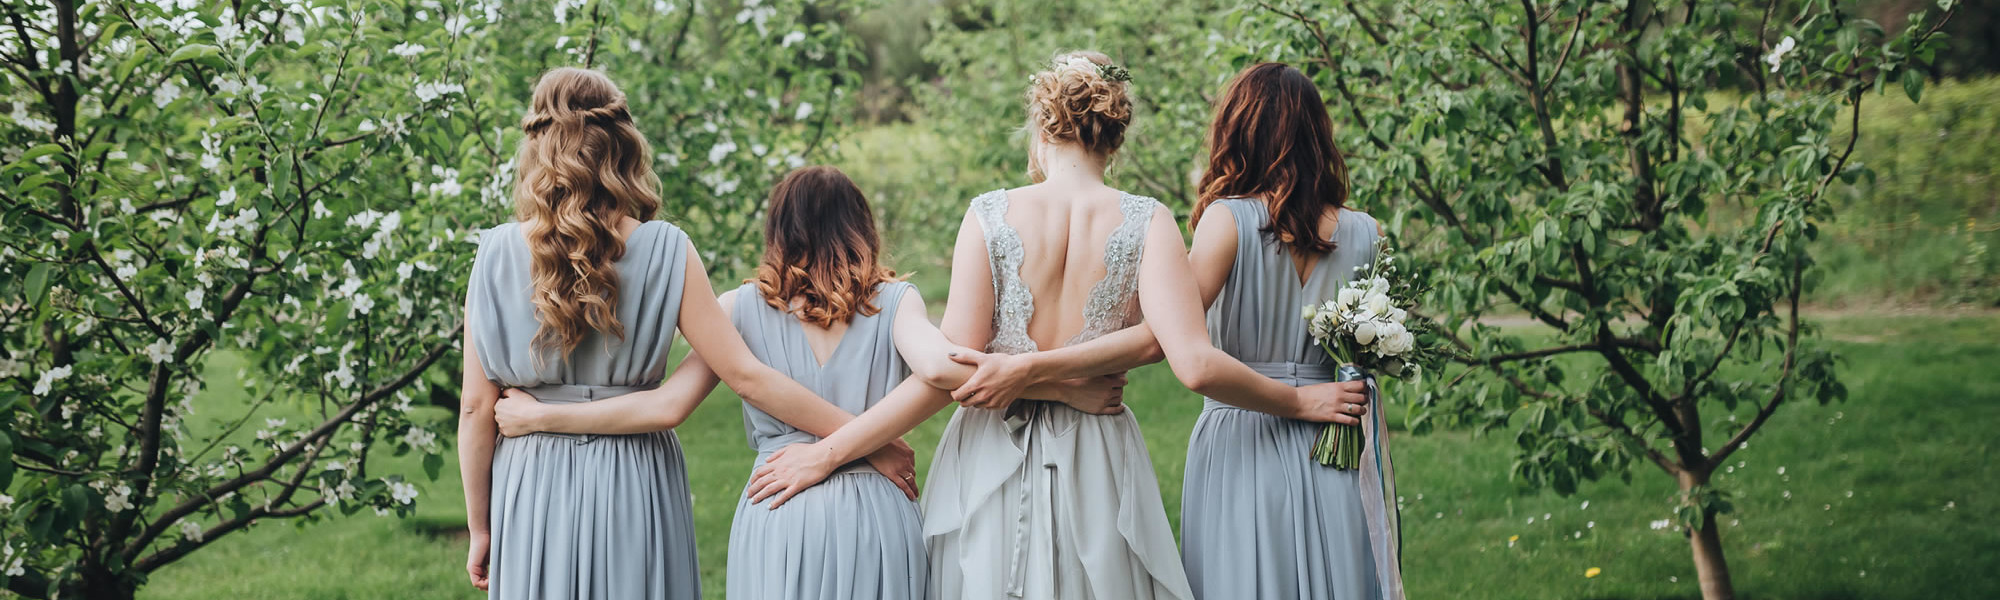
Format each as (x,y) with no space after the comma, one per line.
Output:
(577,394)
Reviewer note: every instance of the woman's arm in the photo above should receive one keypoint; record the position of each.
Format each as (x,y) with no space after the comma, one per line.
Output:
(1174,312)
(800,466)
(476,438)
(658,409)
(945,365)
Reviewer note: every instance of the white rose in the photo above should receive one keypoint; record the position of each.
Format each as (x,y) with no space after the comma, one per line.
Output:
(1365,333)
(1308,312)
(1378,304)
(1396,342)
(1349,296)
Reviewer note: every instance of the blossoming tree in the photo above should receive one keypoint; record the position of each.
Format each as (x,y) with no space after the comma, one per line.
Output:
(298,185)
(1640,180)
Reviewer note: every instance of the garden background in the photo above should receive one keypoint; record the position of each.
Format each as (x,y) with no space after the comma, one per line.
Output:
(236,237)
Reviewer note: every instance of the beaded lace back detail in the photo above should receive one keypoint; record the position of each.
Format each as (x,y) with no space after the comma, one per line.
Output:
(1113,301)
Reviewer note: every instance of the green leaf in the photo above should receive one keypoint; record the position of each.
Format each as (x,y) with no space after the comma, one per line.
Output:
(433,463)
(1913,84)
(38,282)
(194,52)
(6,460)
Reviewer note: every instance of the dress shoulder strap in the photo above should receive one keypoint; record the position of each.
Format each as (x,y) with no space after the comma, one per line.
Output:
(1014,305)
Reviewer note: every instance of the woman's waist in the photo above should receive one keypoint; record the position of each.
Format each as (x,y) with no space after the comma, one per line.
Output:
(566,393)
(1296,373)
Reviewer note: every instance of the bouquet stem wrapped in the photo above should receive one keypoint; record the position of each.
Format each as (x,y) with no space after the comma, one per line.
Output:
(1339,445)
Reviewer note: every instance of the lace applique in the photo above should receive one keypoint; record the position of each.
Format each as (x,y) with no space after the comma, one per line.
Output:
(1110,306)
(1013,303)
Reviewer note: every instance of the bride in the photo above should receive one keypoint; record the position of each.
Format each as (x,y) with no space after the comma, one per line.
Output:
(1035,499)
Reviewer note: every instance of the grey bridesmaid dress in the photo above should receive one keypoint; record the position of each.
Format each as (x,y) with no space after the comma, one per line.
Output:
(598,517)
(1259,518)
(854,535)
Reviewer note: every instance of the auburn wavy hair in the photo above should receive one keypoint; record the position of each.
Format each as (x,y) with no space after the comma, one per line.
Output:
(582,167)
(820,248)
(1272,140)
(1072,102)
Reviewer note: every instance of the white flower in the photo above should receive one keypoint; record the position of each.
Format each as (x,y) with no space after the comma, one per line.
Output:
(720,151)
(294,35)
(403,492)
(274,422)
(1378,304)
(160,351)
(1394,340)
(1308,311)
(1365,332)
(363,303)
(6,502)
(1661,524)
(805,110)
(407,49)
(194,297)
(1777,55)
(165,94)
(419,437)
(227,197)
(49,377)
(1398,315)
(792,38)
(119,500)
(191,530)
(1348,298)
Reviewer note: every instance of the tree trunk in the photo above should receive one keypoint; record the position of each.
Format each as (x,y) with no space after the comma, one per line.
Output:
(98,584)
(1709,565)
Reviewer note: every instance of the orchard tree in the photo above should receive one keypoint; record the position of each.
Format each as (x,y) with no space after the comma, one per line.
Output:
(1641,179)
(300,184)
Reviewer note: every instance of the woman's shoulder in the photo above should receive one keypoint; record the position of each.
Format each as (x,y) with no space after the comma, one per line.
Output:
(1360,220)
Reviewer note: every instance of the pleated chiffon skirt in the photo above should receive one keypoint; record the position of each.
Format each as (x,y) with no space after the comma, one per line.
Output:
(854,535)
(1047,502)
(1260,520)
(592,518)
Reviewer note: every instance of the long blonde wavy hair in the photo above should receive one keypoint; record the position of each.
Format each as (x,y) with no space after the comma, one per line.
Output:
(582,167)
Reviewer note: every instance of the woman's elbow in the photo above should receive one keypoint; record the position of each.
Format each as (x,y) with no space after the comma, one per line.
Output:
(1198,372)
(477,403)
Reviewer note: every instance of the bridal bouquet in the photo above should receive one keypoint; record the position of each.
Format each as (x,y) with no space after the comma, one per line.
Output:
(1365,329)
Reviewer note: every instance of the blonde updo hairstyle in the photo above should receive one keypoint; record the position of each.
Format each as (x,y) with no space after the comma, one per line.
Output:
(1074,101)
(582,168)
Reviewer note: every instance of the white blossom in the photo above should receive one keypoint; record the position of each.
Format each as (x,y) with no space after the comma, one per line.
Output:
(1777,56)
(420,438)
(160,351)
(194,297)
(165,94)
(792,38)
(403,492)
(119,499)
(804,111)
(191,530)
(49,378)
(407,49)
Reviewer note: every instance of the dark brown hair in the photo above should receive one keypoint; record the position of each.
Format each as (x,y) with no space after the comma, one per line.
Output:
(1272,140)
(820,246)
(583,166)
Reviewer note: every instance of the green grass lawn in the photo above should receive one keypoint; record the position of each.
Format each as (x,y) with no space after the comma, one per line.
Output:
(1884,496)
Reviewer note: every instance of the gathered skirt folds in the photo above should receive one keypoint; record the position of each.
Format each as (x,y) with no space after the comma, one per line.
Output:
(592,518)
(1045,502)
(854,535)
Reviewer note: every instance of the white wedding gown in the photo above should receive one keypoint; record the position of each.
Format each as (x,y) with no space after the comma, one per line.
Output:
(1042,501)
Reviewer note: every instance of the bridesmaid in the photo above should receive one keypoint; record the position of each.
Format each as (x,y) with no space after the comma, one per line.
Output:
(1259,518)
(825,313)
(577,301)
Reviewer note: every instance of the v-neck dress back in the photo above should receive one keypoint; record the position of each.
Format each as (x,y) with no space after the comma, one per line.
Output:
(1042,501)
(854,535)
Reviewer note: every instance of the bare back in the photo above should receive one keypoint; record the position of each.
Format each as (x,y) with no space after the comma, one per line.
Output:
(1064,266)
